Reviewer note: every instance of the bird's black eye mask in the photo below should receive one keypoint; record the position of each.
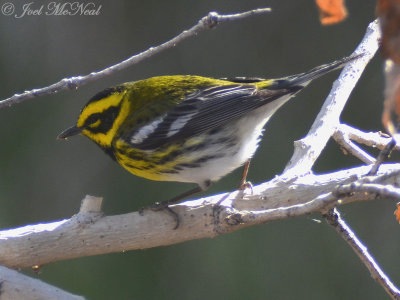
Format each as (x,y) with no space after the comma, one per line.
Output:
(102,122)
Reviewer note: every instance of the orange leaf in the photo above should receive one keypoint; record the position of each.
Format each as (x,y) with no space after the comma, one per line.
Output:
(331,11)
(397,212)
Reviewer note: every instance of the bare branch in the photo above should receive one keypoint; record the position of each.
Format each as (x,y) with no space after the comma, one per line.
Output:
(383,156)
(91,233)
(308,149)
(377,140)
(210,21)
(14,285)
(387,191)
(344,141)
(333,218)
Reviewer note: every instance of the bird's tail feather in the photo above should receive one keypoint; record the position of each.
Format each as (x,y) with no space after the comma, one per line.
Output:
(303,79)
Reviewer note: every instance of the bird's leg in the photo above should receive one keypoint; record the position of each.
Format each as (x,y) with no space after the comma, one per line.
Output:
(164,205)
(182,196)
(244,184)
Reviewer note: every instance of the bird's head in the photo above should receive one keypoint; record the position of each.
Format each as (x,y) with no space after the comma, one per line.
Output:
(101,117)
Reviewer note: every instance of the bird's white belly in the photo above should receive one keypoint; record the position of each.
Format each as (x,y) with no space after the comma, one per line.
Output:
(229,156)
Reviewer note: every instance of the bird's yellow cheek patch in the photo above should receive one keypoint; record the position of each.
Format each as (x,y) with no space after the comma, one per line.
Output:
(99,138)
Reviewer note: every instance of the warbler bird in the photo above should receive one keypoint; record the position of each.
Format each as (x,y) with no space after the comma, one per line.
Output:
(187,128)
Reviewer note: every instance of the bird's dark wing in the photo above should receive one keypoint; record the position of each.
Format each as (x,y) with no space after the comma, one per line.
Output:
(203,110)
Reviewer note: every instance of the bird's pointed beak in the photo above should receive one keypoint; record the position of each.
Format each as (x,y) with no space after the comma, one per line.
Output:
(69,132)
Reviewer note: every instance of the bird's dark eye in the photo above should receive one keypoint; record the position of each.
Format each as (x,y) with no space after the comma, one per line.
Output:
(102,122)
(93,121)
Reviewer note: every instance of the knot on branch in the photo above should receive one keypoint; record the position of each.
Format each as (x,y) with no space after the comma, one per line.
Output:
(72,83)
(211,20)
(234,219)
(331,218)
(345,190)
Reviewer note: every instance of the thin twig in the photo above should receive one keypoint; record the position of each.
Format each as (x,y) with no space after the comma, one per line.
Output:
(334,218)
(345,134)
(387,191)
(344,141)
(377,140)
(210,21)
(308,149)
(383,156)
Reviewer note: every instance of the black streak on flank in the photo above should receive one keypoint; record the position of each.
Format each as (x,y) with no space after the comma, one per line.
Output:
(206,158)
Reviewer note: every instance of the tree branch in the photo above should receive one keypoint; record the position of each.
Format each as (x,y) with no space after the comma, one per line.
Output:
(345,134)
(210,21)
(377,140)
(383,156)
(346,144)
(91,233)
(14,285)
(334,219)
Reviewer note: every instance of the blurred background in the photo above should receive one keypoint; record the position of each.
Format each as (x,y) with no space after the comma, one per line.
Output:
(43,179)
